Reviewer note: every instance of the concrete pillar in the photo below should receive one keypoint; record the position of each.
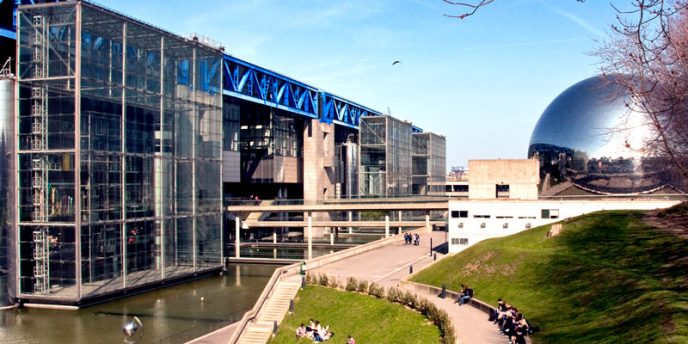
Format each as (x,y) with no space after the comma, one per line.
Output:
(331,238)
(399,221)
(274,236)
(309,234)
(237,229)
(427,221)
(386,226)
(351,218)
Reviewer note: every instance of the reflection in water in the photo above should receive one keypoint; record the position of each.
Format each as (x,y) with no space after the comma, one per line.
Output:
(3,290)
(165,313)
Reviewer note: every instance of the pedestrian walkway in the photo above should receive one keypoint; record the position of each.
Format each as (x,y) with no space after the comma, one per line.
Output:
(388,265)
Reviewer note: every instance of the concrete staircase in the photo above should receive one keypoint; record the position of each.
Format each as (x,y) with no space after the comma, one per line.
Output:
(259,331)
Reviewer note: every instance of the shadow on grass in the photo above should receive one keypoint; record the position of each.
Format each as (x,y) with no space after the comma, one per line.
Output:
(613,279)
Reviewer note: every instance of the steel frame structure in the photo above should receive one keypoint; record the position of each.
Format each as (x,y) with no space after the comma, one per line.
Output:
(343,112)
(253,83)
(244,80)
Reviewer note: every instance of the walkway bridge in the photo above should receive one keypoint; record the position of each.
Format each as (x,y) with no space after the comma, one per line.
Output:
(325,214)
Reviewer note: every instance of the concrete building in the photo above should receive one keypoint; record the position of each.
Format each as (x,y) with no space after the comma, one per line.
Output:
(503,200)
(126,140)
(471,221)
(511,179)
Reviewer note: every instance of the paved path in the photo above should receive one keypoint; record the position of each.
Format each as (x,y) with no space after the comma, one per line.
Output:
(388,265)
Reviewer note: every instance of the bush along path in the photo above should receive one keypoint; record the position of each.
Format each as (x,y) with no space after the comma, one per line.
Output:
(368,312)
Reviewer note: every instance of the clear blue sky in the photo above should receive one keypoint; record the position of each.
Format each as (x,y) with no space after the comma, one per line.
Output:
(482,82)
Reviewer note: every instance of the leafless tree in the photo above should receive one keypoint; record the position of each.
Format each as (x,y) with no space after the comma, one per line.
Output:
(470,7)
(649,46)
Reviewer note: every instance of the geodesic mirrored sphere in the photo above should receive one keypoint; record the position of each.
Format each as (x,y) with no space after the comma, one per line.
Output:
(591,141)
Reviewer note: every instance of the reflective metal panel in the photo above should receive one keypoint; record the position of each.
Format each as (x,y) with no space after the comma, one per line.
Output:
(589,135)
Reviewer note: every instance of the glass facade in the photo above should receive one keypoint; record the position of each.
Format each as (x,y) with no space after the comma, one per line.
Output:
(385,157)
(428,163)
(120,152)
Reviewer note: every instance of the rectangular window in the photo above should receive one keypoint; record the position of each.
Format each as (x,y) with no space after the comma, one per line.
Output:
(481,216)
(550,213)
(459,214)
(459,241)
(554,214)
(504,217)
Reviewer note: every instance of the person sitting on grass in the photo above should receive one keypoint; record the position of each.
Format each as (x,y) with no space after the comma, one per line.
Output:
(350,340)
(301,331)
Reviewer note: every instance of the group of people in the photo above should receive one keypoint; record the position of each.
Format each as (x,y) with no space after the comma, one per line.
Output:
(314,331)
(465,295)
(511,322)
(411,239)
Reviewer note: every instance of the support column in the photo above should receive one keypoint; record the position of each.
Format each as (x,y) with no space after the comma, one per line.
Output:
(351,218)
(237,229)
(274,236)
(123,162)
(427,221)
(386,226)
(331,238)
(309,234)
(399,221)
(77,156)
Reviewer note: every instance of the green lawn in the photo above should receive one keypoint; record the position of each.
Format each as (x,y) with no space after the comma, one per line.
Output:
(608,278)
(366,318)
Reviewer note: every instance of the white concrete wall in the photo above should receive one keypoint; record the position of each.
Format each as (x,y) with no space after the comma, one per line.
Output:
(518,215)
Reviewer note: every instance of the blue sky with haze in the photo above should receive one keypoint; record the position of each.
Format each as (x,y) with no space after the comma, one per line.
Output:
(482,82)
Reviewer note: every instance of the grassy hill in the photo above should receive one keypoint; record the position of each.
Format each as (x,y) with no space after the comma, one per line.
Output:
(366,318)
(608,278)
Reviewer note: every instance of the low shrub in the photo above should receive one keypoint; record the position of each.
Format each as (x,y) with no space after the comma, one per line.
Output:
(394,295)
(333,282)
(351,284)
(409,299)
(376,290)
(363,287)
(323,280)
(311,278)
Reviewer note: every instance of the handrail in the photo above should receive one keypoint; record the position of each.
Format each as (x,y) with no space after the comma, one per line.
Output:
(253,312)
